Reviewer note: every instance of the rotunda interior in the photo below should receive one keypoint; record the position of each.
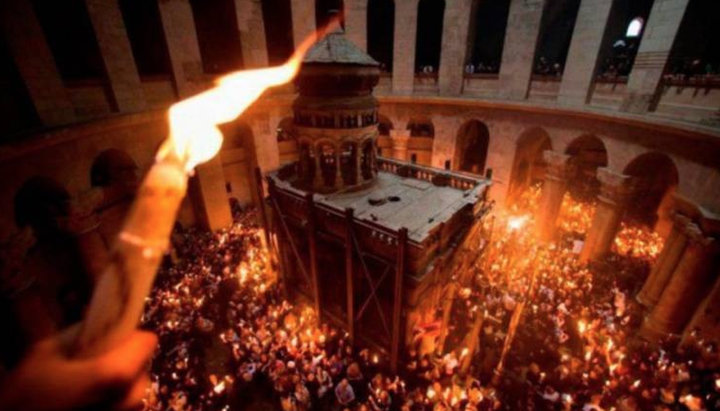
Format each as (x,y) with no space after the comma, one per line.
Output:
(412,205)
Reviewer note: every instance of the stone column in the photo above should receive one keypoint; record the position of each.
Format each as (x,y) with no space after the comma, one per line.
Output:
(338,170)
(356,22)
(35,63)
(643,88)
(83,223)
(584,53)
(318,180)
(399,140)
(303,19)
(123,77)
(454,46)
(614,192)
(518,55)
(252,33)
(210,198)
(404,46)
(358,164)
(689,284)
(180,35)
(553,190)
(666,263)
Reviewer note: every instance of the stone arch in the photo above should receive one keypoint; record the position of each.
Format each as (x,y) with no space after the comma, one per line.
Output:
(471,146)
(528,164)
(283,132)
(40,203)
(384,125)
(428,37)
(655,179)
(421,127)
(113,167)
(587,153)
(380,32)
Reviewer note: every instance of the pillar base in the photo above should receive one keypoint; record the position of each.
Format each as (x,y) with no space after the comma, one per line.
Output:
(654,332)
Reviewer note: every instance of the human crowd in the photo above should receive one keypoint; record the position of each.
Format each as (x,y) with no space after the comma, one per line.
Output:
(554,333)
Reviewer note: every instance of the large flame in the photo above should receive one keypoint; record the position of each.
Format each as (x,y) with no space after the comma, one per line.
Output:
(194,133)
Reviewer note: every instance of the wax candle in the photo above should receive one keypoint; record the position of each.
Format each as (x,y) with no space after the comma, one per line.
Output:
(119,297)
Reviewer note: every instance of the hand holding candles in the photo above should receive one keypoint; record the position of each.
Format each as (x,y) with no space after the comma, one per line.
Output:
(119,297)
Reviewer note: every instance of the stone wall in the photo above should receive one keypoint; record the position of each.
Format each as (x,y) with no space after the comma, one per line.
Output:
(66,155)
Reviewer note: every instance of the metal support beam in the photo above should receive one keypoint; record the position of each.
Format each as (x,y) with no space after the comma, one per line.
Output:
(349,273)
(261,205)
(397,301)
(312,239)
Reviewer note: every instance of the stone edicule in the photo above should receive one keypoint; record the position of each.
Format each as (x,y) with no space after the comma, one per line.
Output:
(336,116)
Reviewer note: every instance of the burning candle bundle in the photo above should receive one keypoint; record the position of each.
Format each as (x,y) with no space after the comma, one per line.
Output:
(119,297)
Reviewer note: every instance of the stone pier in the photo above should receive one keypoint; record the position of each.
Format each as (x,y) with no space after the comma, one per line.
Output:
(614,192)
(518,55)
(666,262)
(553,190)
(690,283)
(399,140)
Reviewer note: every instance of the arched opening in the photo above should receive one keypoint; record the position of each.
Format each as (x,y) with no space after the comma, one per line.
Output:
(348,163)
(71,38)
(421,127)
(384,126)
(471,147)
(655,179)
(325,10)
(117,174)
(277,19)
(284,130)
(380,32)
(696,49)
(622,39)
(218,35)
(366,162)
(635,27)
(328,163)
(556,30)
(113,167)
(147,40)
(428,38)
(488,36)
(587,153)
(528,164)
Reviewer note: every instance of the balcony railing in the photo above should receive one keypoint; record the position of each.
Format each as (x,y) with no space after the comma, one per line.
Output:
(433,175)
